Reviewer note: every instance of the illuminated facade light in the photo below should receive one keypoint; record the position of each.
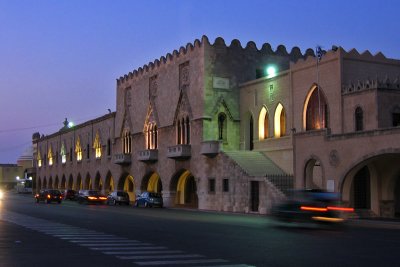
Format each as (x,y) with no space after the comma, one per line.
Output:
(71,124)
(271,71)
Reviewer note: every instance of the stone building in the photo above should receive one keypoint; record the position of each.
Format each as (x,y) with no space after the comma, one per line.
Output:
(209,128)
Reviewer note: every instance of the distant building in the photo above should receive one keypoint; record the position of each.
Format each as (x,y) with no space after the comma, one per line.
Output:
(228,128)
(23,169)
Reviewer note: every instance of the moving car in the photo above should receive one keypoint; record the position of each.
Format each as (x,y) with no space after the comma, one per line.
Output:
(311,205)
(118,197)
(149,199)
(48,196)
(91,196)
(70,194)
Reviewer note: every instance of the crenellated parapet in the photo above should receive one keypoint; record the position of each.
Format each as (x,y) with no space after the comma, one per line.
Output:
(371,84)
(219,43)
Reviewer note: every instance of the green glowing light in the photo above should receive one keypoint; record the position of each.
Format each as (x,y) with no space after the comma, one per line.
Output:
(271,71)
(70,124)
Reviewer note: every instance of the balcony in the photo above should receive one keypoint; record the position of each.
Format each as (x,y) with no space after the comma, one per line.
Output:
(122,159)
(148,155)
(210,148)
(179,152)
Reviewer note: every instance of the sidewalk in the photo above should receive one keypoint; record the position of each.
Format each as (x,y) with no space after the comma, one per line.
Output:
(386,223)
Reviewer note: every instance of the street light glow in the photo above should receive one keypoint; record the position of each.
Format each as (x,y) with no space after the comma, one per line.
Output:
(271,71)
(70,124)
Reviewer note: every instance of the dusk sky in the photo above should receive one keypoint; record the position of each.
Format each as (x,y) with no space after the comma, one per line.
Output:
(60,59)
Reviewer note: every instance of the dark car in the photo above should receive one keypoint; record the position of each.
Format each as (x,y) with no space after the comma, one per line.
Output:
(149,199)
(70,194)
(48,196)
(91,196)
(311,205)
(118,197)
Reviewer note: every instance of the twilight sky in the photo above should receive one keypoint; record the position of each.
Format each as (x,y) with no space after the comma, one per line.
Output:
(60,58)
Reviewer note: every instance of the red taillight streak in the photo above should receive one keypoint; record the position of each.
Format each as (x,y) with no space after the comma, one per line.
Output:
(341,209)
(313,208)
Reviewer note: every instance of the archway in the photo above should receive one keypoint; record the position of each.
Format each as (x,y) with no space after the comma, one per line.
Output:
(88,182)
(78,184)
(313,175)
(263,124)
(45,183)
(70,182)
(361,189)
(56,183)
(40,183)
(98,184)
(50,185)
(152,183)
(63,183)
(127,184)
(280,121)
(186,189)
(109,184)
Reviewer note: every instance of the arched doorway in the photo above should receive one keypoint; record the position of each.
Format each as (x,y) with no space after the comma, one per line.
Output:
(50,185)
(184,184)
(152,183)
(70,182)
(127,184)
(45,183)
(78,184)
(63,183)
(40,183)
(109,184)
(98,184)
(88,182)
(56,183)
(313,175)
(361,189)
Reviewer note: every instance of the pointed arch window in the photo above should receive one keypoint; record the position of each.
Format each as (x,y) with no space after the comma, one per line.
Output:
(151,134)
(50,156)
(183,130)
(63,154)
(222,127)
(78,150)
(97,146)
(315,112)
(263,124)
(39,159)
(280,121)
(359,119)
(396,116)
(127,144)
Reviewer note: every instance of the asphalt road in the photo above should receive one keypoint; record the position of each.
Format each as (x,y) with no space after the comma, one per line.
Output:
(70,234)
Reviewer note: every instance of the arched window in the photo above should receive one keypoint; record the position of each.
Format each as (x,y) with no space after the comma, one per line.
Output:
(263,124)
(127,149)
(315,113)
(151,136)
(222,127)
(97,146)
(359,119)
(50,156)
(179,140)
(280,121)
(78,150)
(183,131)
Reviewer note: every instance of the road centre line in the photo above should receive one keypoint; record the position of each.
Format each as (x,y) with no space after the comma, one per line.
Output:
(126,248)
(142,252)
(156,263)
(136,244)
(137,257)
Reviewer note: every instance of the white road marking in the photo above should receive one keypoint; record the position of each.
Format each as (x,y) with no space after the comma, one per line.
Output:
(156,263)
(183,256)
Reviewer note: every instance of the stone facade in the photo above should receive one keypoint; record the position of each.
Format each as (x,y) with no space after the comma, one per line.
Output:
(176,117)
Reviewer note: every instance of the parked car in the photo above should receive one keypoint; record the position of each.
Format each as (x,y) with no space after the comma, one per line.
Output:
(118,197)
(70,194)
(48,196)
(311,205)
(91,196)
(149,199)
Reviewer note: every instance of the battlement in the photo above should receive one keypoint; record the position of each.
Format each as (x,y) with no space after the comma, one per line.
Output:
(219,43)
(370,84)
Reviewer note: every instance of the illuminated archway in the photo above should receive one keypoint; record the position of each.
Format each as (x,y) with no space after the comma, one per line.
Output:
(186,190)
(88,182)
(313,175)
(315,110)
(152,183)
(263,124)
(280,121)
(109,183)
(127,183)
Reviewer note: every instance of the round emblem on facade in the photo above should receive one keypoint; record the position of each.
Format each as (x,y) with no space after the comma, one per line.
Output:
(334,158)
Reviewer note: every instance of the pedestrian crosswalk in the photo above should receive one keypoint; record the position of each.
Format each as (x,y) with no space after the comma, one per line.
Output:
(138,252)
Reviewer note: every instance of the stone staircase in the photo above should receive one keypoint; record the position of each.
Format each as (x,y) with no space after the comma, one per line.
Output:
(256,164)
